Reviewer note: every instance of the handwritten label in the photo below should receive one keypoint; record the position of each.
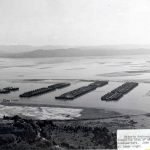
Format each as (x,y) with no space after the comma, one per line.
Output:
(136,139)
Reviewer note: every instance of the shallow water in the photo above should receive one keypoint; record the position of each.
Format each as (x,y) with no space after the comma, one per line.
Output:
(41,113)
(15,72)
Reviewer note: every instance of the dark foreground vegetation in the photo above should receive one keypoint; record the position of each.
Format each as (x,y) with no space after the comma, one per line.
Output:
(17,133)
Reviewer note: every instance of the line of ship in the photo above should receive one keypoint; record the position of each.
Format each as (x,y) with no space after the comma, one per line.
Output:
(8,90)
(119,92)
(114,95)
(82,90)
(43,90)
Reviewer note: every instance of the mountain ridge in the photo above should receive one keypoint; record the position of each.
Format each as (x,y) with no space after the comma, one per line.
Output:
(74,52)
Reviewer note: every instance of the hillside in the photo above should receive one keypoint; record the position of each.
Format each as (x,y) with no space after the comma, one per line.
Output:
(58,51)
(73,53)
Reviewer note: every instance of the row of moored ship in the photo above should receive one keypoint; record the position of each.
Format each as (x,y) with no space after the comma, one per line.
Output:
(117,93)
(114,95)
(8,90)
(44,90)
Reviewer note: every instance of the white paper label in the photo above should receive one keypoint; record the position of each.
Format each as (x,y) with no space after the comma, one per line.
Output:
(136,139)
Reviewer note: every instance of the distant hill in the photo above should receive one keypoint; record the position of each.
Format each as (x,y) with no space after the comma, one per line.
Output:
(25,48)
(27,51)
(15,48)
(74,52)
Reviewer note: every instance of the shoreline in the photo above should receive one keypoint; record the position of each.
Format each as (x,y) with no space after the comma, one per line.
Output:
(87,113)
(70,106)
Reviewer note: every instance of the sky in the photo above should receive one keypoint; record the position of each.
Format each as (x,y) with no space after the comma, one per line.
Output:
(74,22)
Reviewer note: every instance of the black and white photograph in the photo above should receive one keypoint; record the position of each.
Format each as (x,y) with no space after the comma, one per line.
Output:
(74,74)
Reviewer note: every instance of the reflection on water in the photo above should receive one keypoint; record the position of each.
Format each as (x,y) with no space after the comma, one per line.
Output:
(15,72)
